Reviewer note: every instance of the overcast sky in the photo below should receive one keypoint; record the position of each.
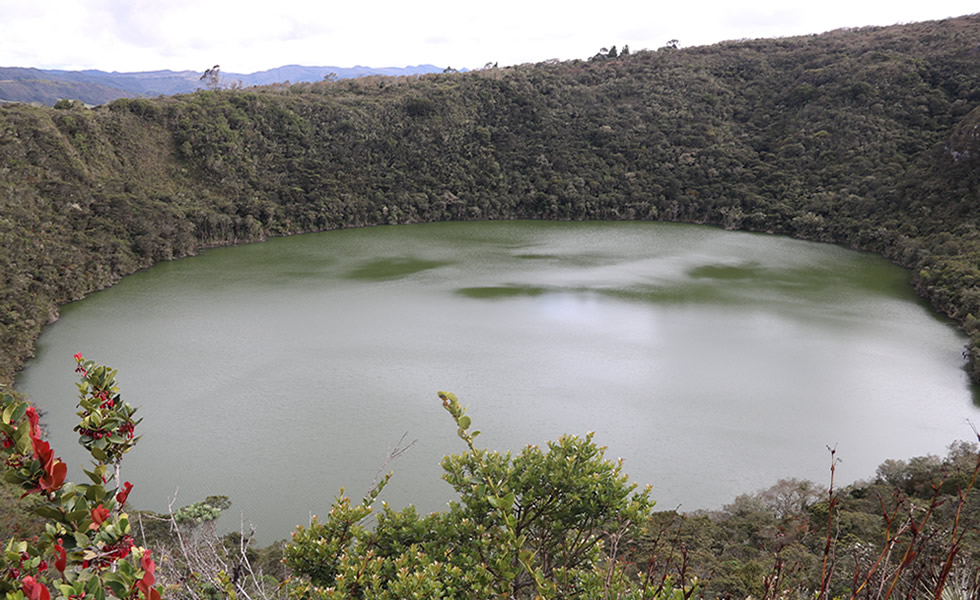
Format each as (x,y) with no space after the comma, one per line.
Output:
(245,36)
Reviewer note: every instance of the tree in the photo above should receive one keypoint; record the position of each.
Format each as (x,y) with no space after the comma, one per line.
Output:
(212,78)
(790,497)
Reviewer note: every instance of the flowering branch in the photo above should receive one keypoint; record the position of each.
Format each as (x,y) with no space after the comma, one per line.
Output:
(87,532)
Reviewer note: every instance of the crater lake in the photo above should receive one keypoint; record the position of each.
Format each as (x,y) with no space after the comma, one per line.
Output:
(713,362)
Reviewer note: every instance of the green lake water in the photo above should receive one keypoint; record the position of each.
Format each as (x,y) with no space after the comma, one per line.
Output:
(713,362)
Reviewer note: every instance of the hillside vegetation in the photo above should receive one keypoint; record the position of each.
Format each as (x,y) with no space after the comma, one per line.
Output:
(868,138)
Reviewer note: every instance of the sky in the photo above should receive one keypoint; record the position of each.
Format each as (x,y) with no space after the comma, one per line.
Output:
(245,36)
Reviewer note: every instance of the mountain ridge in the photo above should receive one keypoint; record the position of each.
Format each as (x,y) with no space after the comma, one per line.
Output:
(93,86)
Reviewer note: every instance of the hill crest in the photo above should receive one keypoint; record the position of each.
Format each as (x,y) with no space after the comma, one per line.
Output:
(92,86)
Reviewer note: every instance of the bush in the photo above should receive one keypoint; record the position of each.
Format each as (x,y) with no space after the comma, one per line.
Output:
(86,533)
(540,524)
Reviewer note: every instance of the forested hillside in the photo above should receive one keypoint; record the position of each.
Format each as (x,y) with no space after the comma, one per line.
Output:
(868,138)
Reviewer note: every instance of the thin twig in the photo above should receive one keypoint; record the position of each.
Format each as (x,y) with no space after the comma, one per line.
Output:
(831,504)
(391,455)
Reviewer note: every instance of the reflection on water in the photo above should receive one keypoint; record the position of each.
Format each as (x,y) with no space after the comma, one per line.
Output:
(714,362)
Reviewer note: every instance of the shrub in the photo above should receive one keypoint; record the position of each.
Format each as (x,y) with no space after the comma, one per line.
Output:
(544,523)
(86,536)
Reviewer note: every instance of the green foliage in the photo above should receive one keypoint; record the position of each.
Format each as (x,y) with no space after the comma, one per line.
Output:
(66,104)
(541,524)
(86,534)
(418,106)
(106,423)
(319,550)
(202,512)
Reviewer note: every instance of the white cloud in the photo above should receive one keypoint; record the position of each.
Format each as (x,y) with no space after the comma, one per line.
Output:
(246,35)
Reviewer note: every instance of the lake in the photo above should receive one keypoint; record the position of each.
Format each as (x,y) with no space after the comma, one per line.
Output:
(714,362)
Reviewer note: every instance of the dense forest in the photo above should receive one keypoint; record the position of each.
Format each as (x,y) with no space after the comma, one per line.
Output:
(868,138)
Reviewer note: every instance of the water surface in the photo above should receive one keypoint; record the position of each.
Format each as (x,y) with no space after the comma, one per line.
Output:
(714,362)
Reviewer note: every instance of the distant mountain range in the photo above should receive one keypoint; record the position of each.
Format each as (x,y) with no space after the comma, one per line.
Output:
(42,86)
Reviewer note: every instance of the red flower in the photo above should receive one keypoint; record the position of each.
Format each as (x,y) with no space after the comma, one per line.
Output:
(61,562)
(79,368)
(149,566)
(54,471)
(123,495)
(32,416)
(34,590)
(99,515)
(120,549)
(145,584)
